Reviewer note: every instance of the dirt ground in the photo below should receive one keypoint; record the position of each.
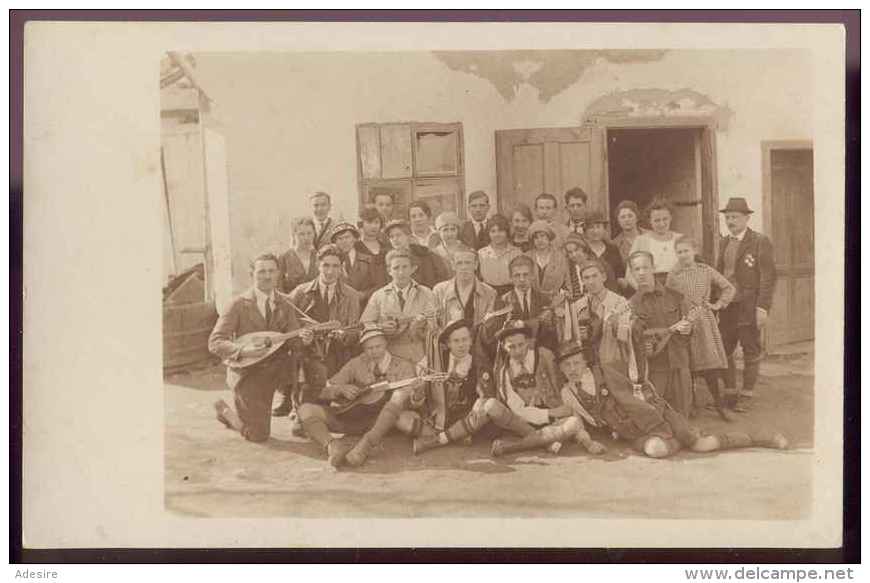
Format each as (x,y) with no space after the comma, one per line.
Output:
(212,471)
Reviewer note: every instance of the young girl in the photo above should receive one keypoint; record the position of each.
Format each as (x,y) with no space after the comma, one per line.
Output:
(495,258)
(696,282)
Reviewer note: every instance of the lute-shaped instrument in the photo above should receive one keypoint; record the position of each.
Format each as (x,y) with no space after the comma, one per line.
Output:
(272,341)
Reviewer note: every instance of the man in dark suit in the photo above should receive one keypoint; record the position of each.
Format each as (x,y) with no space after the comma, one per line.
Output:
(746,259)
(261,308)
(359,269)
(473,232)
(321,204)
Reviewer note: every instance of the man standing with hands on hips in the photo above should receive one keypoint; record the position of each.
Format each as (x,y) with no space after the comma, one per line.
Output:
(746,259)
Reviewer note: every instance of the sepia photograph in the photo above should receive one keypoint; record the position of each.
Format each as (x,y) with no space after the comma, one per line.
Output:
(520,283)
(434,285)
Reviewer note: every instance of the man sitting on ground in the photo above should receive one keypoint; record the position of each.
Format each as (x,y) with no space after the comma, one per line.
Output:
(373,421)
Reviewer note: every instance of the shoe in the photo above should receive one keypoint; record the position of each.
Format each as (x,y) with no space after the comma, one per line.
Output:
(773,440)
(425,443)
(284,408)
(743,405)
(726,414)
(497,448)
(555,447)
(220,406)
(336,452)
(296,429)
(357,456)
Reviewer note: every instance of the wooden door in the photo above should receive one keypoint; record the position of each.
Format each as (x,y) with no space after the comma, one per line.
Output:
(789,198)
(553,160)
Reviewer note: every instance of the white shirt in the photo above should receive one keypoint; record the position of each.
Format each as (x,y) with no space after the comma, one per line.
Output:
(525,300)
(740,236)
(534,415)
(351,256)
(478,227)
(261,301)
(459,366)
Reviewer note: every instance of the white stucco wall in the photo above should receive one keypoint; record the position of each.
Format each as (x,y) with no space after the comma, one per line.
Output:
(289,120)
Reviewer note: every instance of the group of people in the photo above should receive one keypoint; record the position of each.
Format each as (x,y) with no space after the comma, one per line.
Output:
(530,330)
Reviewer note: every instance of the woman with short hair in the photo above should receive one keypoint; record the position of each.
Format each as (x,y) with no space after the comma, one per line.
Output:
(659,242)
(495,258)
(298,264)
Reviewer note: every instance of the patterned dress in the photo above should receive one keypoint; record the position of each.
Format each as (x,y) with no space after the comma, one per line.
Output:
(696,283)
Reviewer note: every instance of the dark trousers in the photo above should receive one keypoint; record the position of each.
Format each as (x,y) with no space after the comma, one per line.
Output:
(748,335)
(253,396)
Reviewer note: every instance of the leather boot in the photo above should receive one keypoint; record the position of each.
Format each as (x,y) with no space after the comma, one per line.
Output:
(768,438)
(284,407)
(336,452)
(227,416)
(750,376)
(359,453)
(531,441)
(425,443)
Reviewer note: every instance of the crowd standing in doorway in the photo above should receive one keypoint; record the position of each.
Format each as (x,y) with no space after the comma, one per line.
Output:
(535,330)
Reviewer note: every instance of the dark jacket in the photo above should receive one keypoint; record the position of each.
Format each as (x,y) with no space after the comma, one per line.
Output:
(468,236)
(243,317)
(366,275)
(754,274)
(293,271)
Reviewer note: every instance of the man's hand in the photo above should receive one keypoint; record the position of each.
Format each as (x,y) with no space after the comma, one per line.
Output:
(390,326)
(682,327)
(348,392)
(307,336)
(338,335)
(760,317)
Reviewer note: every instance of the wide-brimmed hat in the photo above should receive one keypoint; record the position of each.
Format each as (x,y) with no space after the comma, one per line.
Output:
(451,327)
(595,217)
(396,223)
(370,331)
(447,218)
(341,228)
(541,227)
(737,204)
(512,327)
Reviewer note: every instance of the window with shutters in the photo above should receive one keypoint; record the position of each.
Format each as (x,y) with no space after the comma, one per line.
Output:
(412,161)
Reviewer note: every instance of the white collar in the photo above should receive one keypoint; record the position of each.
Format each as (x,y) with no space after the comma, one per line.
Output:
(404,290)
(460,366)
(323,286)
(262,297)
(740,236)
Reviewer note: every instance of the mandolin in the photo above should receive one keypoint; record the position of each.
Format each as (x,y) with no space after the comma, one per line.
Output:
(273,341)
(374,392)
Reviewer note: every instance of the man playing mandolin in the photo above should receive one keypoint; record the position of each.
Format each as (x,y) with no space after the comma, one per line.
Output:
(259,309)
(366,380)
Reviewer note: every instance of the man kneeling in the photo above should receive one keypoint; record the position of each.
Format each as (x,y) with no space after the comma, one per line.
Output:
(375,414)
(636,413)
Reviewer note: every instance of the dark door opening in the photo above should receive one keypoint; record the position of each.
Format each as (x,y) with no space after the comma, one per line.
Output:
(672,162)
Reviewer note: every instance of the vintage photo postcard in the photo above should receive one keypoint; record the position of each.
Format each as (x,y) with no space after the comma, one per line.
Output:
(561,285)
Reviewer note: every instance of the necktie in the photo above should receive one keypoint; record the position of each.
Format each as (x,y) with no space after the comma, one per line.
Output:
(525,305)
(578,227)
(401,295)
(268,312)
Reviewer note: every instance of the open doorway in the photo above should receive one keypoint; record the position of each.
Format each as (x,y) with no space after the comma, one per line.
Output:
(674,162)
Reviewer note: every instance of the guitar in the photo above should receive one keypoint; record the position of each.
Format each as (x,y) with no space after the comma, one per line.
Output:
(374,392)
(272,341)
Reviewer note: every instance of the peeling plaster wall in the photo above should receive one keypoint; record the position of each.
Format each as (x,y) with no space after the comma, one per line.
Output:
(289,118)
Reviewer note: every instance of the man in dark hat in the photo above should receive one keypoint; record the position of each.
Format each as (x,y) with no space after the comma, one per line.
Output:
(431,269)
(375,365)
(611,402)
(359,270)
(455,409)
(746,259)
(527,382)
